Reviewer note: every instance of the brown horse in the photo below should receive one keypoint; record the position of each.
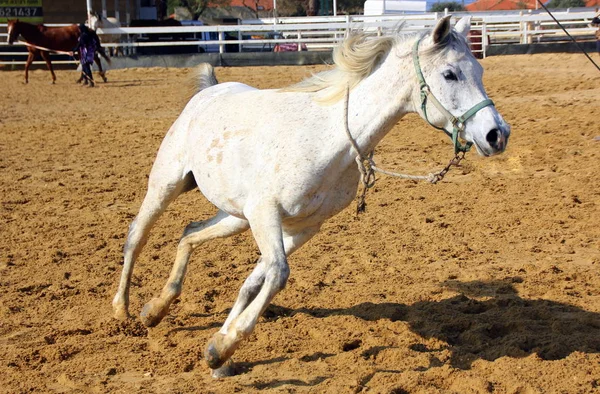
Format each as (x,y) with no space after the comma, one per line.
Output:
(43,39)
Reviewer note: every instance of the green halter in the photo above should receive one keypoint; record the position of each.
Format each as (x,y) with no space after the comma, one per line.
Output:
(458,123)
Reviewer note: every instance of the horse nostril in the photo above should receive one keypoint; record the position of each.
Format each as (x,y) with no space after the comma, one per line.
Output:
(492,137)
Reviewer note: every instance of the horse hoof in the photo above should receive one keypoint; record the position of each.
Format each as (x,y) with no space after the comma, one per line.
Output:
(215,353)
(149,315)
(227,370)
(121,314)
(213,356)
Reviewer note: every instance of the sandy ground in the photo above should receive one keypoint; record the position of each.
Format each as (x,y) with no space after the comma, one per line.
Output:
(486,282)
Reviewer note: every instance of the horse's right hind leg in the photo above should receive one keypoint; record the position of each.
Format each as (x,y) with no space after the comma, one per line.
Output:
(158,197)
(220,226)
(100,70)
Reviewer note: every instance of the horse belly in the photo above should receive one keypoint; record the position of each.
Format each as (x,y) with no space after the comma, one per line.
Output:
(335,194)
(221,174)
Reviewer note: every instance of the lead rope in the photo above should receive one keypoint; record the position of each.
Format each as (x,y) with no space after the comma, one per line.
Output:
(368,168)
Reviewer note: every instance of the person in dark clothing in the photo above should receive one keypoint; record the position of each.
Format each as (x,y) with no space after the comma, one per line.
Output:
(596,23)
(86,49)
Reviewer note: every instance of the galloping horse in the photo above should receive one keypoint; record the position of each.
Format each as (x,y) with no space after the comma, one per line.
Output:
(43,39)
(285,172)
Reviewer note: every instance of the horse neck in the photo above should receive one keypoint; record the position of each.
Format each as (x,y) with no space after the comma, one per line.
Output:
(382,98)
(28,31)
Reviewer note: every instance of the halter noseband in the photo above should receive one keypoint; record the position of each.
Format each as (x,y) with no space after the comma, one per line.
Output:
(458,123)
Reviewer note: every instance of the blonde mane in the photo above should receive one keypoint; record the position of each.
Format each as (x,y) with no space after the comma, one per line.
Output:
(355,59)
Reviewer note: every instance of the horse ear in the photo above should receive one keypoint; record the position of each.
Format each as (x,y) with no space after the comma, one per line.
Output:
(463,26)
(441,30)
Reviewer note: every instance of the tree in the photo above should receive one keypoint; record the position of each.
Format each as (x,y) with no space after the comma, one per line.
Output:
(450,5)
(565,3)
(350,7)
(312,8)
(197,7)
(291,8)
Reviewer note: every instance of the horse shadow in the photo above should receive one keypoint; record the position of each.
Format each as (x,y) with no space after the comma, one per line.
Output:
(502,324)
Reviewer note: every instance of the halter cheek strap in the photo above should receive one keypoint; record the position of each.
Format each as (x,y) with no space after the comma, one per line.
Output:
(458,123)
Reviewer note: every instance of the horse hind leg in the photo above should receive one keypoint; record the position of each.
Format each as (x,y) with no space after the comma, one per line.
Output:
(100,70)
(196,233)
(159,195)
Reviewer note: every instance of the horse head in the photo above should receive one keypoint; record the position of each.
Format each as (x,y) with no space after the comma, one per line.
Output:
(13,31)
(93,20)
(450,93)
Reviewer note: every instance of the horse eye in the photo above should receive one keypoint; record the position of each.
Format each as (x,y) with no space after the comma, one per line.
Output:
(450,76)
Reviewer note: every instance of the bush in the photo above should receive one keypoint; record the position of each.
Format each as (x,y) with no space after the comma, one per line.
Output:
(450,5)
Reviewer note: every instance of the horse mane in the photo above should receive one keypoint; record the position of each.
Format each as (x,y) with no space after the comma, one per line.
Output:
(355,59)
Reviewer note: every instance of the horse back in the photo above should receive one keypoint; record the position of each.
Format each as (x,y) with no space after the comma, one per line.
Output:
(63,38)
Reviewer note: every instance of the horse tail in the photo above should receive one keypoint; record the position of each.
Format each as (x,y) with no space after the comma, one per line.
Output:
(203,76)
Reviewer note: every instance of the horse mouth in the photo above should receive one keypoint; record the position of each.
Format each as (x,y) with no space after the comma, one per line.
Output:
(483,152)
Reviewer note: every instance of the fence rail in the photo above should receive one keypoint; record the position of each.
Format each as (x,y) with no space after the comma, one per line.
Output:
(324,33)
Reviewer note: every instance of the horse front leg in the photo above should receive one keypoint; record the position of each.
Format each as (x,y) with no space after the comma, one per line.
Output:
(46,57)
(30,58)
(220,226)
(253,284)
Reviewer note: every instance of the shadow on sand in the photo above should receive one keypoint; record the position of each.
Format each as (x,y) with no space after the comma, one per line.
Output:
(502,325)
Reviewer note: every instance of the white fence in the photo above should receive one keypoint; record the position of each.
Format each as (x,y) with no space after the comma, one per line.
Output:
(323,33)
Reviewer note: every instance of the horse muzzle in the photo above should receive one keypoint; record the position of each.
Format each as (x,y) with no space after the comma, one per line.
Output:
(495,141)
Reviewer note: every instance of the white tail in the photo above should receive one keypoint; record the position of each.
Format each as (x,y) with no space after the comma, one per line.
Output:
(203,77)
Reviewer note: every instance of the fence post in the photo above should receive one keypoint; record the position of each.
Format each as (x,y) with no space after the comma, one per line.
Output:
(484,39)
(523,37)
(347,26)
(299,42)
(240,37)
(127,12)
(221,45)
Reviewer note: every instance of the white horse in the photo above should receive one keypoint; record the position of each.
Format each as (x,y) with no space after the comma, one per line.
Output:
(285,172)
(97,21)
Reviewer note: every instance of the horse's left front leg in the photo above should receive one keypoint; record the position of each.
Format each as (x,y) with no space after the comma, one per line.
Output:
(99,64)
(46,57)
(28,64)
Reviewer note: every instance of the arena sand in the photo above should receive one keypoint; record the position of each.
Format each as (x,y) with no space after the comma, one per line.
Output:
(486,282)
